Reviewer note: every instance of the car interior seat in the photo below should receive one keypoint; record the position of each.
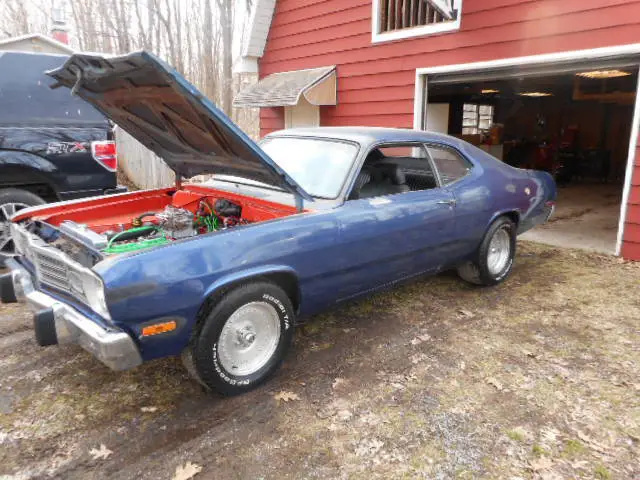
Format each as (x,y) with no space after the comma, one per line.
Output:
(386,179)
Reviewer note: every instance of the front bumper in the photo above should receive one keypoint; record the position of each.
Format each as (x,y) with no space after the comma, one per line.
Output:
(58,323)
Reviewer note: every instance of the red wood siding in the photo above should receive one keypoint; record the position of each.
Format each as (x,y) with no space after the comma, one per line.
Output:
(631,240)
(376,82)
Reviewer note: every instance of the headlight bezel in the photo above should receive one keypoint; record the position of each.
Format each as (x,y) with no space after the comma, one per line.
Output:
(94,294)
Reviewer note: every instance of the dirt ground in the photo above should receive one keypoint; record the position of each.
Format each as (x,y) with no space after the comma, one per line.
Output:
(586,217)
(536,378)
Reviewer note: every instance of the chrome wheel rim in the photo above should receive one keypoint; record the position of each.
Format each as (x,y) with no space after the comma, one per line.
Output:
(7,210)
(249,338)
(499,251)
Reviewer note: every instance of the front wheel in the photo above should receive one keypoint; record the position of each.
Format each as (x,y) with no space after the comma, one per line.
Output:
(243,339)
(494,258)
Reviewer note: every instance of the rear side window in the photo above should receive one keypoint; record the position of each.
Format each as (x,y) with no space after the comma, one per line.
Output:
(450,164)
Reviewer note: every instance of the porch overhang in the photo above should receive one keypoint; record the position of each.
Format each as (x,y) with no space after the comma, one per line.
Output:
(317,85)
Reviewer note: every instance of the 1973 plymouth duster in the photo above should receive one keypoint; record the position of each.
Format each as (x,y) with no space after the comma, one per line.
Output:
(219,272)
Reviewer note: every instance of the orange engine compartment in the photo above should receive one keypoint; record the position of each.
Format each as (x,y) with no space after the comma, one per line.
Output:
(118,212)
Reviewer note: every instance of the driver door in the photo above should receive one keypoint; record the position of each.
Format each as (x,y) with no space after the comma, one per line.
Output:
(391,237)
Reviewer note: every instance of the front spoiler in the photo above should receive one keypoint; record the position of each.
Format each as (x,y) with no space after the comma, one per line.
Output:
(57,322)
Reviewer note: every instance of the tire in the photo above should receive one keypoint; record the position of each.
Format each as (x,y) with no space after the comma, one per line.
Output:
(11,201)
(490,267)
(242,340)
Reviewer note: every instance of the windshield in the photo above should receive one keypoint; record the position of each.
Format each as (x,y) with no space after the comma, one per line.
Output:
(319,166)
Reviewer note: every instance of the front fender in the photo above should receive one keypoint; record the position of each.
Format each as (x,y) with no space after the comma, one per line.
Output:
(247,275)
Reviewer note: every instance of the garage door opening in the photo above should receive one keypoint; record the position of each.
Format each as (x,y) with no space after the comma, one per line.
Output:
(574,122)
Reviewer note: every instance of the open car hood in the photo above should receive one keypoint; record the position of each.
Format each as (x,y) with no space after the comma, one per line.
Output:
(155,104)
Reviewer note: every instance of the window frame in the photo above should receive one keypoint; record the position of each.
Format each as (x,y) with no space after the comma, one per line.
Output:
(387,144)
(455,151)
(443,27)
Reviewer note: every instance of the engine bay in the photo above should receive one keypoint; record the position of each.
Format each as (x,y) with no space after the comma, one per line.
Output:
(97,228)
(154,228)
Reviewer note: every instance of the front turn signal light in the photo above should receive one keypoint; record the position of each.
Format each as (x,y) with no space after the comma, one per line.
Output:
(159,328)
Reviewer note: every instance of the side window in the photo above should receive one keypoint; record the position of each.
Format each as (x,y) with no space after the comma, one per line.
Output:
(395,168)
(451,166)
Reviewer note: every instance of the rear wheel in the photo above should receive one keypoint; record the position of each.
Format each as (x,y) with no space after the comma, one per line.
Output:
(494,259)
(12,200)
(243,339)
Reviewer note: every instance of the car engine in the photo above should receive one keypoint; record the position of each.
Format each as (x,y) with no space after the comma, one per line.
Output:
(152,229)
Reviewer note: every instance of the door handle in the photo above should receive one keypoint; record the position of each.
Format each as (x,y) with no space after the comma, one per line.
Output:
(451,202)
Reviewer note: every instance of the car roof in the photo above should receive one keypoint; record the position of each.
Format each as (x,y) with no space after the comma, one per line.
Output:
(368,135)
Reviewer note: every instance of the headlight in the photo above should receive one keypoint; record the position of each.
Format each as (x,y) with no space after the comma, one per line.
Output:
(93,292)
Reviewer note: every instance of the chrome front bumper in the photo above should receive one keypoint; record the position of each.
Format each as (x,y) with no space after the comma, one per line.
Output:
(57,322)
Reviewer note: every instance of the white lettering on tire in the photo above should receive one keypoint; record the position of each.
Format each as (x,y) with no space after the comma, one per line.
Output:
(221,372)
(281,307)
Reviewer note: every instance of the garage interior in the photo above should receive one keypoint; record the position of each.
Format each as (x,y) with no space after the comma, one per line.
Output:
(575,124)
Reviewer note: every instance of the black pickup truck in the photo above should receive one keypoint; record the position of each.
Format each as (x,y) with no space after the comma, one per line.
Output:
(53,146)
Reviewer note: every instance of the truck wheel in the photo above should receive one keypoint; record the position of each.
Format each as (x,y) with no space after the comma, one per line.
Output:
(494,259)
(11,201)
(243,339)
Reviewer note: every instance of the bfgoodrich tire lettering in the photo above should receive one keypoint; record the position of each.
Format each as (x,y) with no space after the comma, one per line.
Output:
(225,327)
(490,267)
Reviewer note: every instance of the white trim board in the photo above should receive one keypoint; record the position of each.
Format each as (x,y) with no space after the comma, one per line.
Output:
(628,174)
(589,55)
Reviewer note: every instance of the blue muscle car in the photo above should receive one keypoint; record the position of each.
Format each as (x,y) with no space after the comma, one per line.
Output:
(220,271)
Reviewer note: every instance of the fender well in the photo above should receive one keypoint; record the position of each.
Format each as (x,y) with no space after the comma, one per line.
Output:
(29,172)
(285,277)
(513,215)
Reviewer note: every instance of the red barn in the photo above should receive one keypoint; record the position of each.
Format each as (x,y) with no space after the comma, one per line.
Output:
(547,84)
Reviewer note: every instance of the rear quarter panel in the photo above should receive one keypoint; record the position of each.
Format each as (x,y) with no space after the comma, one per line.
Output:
(510,190)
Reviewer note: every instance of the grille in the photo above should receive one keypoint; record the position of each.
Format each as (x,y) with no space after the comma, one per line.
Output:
(52,271)
(53,268)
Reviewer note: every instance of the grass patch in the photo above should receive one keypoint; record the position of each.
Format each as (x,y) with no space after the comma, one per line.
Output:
(515,435)
(539,450)
(573,448)
(602,473)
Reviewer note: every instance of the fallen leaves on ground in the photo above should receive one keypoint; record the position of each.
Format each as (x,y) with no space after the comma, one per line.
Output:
(539,464)
(286,396)
(101,453)
(462,313)
(186,471)
(420,339)
(338,382)
(369,448)
(494,383)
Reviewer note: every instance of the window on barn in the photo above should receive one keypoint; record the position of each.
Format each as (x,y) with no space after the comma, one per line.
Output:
(476,118)
(395,19)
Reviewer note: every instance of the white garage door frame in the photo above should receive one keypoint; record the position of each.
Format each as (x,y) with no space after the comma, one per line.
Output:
(544,60)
